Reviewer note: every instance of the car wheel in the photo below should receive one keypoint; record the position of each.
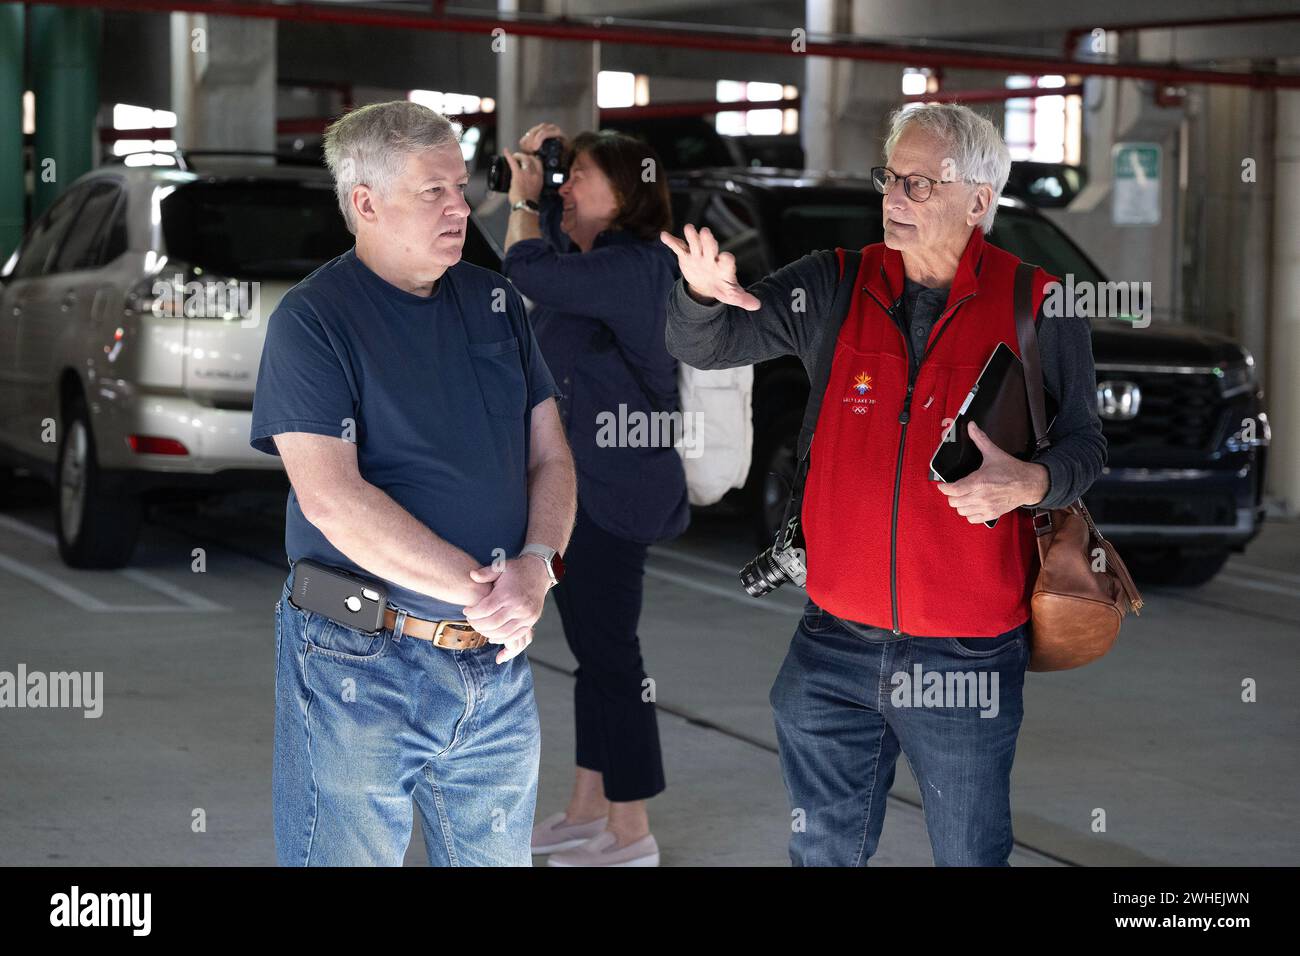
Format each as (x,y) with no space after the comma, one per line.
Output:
(96,529)
(1176,567)
(774,459)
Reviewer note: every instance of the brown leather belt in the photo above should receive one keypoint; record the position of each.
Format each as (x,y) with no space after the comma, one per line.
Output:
(453,635)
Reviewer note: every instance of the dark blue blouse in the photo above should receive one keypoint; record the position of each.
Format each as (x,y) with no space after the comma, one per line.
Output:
(599,320)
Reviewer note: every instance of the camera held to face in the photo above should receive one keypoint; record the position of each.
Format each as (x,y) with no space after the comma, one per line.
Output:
(555,170)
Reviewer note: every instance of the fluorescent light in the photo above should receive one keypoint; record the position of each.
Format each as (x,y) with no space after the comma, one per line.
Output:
(729,91)
(615,89)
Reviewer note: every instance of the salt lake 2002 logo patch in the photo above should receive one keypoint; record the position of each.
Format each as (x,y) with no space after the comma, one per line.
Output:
(857,399)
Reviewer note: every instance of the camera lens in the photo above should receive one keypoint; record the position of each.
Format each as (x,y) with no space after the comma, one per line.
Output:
(498,177)
(762,575)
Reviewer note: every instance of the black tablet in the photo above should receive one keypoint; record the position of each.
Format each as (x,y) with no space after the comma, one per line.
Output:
(998,404)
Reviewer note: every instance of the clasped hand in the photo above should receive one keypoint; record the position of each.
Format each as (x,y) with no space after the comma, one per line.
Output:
(507,613)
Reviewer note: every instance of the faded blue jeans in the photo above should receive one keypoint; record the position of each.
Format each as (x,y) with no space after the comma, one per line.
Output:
(849,698)
(364,724)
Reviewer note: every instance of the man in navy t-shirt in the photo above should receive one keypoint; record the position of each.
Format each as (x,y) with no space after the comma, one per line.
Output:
(417,422)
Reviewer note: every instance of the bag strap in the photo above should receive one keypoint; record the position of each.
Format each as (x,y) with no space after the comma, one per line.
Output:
(821,370)
(1027,335)
(1031,359)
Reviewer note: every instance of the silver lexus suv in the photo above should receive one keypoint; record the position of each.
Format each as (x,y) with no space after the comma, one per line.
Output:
(131,325)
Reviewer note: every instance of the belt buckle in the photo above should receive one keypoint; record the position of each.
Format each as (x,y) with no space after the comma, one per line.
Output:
(1042,529)
(456,626)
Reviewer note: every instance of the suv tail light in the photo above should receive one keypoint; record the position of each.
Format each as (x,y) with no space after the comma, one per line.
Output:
(155,445)
(185,292)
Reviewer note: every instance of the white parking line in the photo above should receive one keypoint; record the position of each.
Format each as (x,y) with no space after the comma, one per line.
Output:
(736,594)
(187,600)
(1225,576)
(154,583)
(1266,572)
(730,570)
(27,531)
(87,602)
(1257,585)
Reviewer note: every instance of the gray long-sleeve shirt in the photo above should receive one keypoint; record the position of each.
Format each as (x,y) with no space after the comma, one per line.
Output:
(796,300)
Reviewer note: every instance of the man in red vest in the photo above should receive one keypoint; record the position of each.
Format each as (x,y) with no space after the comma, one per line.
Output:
(915,635)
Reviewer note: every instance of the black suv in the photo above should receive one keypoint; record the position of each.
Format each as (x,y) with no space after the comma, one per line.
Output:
(1183,482)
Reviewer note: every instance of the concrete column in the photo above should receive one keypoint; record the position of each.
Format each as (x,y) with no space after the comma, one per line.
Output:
(1256,232)
(223,82)
(1284,396)
(544,80)
(12,190)
(846,102)
(1118,110)
(65,43)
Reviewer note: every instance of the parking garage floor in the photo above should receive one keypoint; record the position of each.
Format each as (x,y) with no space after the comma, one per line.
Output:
(1156,734)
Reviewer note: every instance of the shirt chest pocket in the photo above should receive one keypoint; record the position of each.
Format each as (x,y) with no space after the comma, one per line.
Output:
(499,369)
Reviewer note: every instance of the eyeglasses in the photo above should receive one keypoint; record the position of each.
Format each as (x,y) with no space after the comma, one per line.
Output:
(916,186)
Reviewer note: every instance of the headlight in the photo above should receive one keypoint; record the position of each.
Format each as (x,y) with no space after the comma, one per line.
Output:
(1253,433)
(1238,377)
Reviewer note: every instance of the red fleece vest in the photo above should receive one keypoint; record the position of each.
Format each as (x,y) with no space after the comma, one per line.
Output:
(946,576)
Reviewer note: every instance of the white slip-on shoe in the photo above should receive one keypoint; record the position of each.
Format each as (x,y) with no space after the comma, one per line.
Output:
(601,850)
(553,834)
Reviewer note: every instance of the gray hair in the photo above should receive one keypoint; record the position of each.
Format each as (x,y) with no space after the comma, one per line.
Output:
(974,145)
(369,146)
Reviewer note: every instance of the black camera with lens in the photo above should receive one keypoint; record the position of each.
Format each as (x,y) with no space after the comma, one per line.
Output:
(555,170)
(786,561)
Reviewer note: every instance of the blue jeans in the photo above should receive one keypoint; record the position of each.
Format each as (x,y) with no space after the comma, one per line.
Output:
(849,698)
(366,723)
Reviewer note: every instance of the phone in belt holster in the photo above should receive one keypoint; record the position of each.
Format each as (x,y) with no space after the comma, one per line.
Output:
(341,596)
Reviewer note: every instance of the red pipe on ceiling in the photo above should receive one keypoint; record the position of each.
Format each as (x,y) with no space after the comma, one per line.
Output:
(1233,20)
(994,95)
(317,124)
(609,32)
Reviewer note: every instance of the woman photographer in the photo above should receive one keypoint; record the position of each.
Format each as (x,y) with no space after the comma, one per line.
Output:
(589,257)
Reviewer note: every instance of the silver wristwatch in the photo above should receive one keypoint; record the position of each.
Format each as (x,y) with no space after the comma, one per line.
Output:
(550,557)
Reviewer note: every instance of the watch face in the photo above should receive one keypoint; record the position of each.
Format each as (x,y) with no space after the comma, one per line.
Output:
(557,566)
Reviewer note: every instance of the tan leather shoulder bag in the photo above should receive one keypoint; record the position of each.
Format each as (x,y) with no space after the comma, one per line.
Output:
(1083,589)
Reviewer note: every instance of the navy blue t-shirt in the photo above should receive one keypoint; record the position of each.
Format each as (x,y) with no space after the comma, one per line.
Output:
(434,390)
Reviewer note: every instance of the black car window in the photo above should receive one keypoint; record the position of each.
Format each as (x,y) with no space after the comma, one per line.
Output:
(115,237)
(85,235)
(43,241)
(259,229)
(1037,240)
(681,142)
(477,250)
(683,204)
(735,227)
(807,226)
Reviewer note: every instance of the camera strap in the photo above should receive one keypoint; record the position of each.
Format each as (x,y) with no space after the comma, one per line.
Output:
(820,373)
(818,377)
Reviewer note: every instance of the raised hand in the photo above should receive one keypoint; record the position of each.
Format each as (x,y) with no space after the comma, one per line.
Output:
(709,274)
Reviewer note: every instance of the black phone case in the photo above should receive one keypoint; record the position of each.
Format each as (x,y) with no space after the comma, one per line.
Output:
(344,598)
